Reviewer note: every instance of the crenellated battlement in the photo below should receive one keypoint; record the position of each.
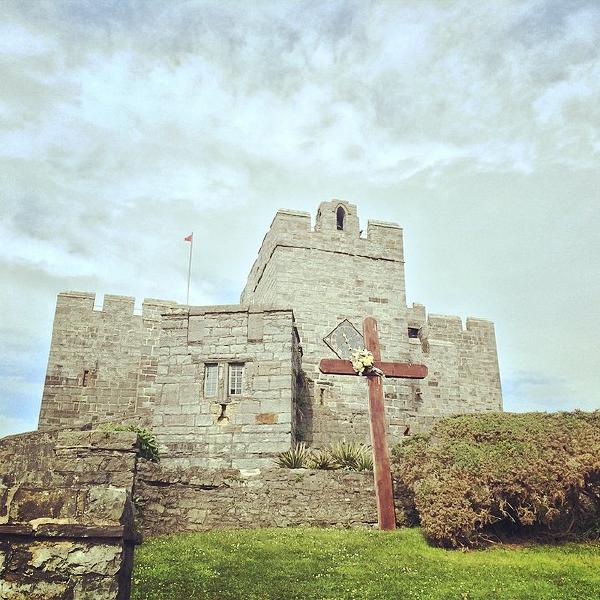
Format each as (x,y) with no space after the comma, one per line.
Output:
(103,359)
(442,323)
(290,220)
(78,299)
(417,317)
(337,231)
(113,305)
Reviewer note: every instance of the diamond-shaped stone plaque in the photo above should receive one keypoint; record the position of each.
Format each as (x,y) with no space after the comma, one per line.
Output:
(344,339)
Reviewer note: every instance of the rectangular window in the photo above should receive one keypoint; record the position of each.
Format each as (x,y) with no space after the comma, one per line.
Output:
(236,374)
(211,379)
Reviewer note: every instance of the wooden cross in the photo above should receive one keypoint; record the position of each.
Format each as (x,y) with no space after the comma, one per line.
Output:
(381,454)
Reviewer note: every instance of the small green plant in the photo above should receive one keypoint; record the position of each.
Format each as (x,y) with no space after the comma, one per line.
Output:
(365,461)
(294,458)
(322,459)
(148,446)
(138,503)
(352,456)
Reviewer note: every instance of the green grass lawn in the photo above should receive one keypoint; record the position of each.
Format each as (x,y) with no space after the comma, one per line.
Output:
(307,563)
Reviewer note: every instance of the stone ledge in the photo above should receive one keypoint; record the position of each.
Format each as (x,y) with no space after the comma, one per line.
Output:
(388,224)
(197,311)
(70,530)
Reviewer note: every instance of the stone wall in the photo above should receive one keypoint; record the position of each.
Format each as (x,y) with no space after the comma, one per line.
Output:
(102,363)
(201,500)
(327,275)
(114,365)
(215,428)
(66,517)
(463,366)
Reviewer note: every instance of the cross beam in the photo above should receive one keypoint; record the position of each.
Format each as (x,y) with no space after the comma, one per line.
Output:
(336,366)
(381,453)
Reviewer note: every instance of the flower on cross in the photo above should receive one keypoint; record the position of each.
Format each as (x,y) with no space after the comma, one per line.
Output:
(363,362)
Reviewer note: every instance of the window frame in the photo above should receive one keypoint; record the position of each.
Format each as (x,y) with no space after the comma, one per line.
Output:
(211,368)
(413,333)
(235,379)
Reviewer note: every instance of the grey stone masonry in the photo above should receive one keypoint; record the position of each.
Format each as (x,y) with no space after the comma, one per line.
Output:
(66,515)
(332,272)
(232,386)
(199,419)
(102,363)
(201,500)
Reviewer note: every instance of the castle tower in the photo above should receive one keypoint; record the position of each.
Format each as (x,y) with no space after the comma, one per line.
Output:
(328,274)
(333,272)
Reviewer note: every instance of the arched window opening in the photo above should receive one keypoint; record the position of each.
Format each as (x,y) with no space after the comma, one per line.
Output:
(340,217)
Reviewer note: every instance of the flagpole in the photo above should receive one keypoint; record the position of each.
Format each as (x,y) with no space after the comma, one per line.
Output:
(187,300)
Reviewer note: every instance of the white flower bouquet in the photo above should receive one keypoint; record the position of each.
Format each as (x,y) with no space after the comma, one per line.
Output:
(363,362)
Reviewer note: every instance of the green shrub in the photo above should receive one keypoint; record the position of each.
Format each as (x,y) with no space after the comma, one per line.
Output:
(294,458)
(475,478)
(148,446)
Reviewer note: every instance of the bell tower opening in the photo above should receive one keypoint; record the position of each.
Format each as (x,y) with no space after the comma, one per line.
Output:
(340,218)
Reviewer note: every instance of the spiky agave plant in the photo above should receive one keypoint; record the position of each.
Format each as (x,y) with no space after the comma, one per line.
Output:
(294,458)
(322,459)
(351,455)
(365,460)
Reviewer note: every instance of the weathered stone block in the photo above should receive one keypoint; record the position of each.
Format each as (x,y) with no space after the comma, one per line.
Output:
(255,326)
(267,418)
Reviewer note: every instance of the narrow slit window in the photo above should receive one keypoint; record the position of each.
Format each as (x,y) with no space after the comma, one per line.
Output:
(86,378)
(211,378)
(236,376)
(340,216)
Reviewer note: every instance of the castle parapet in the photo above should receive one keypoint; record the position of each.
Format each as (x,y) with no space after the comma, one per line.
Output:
(387,235)
(444,323)
(76,299)
(339,217)
(118,305)
(113,305)
(336,231)
(290,221)
(474,324)
(153,308)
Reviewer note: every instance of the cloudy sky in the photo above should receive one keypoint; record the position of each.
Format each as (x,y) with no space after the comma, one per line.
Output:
(475,126)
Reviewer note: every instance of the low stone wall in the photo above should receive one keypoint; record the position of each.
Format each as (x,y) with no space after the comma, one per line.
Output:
(66,515)
(199,500)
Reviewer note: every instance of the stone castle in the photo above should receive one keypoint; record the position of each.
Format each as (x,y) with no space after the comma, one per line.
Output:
(224,388)
(233,385)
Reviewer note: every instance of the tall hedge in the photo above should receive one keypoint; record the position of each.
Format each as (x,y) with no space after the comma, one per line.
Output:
(476,478)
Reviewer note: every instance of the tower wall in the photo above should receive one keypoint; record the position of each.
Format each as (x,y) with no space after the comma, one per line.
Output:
(463,367)
(328,275)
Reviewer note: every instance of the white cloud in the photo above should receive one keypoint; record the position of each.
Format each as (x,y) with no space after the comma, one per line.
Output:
(126,124)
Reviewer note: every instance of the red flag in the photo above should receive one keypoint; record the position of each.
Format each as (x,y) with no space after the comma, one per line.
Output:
(188,238)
